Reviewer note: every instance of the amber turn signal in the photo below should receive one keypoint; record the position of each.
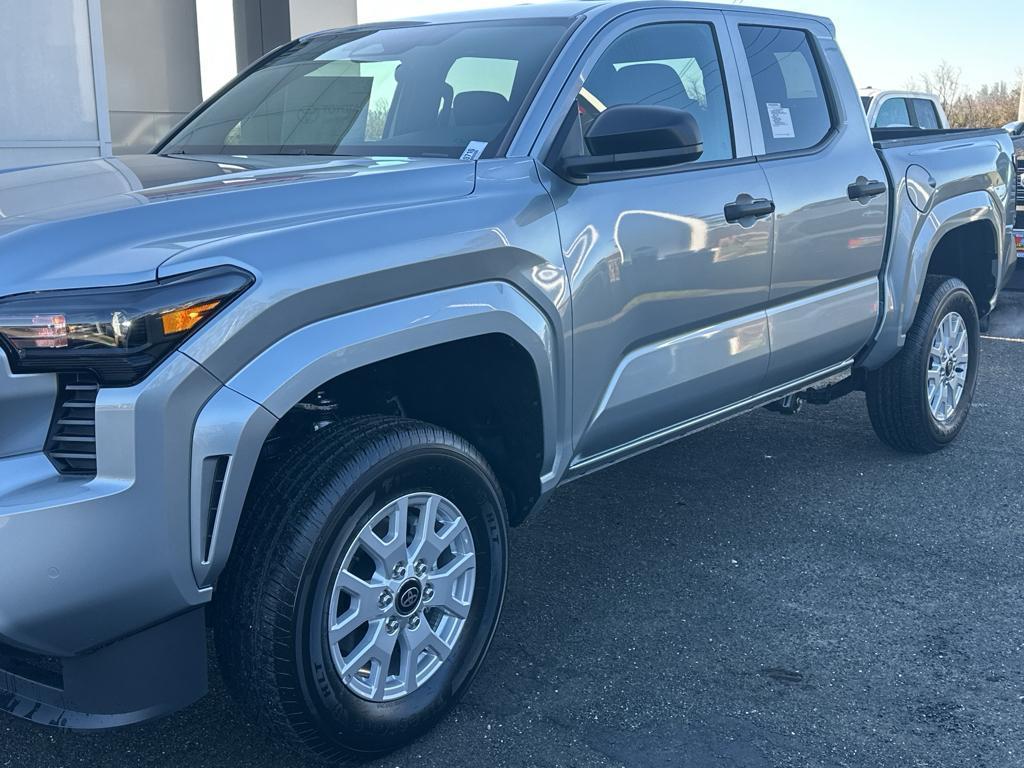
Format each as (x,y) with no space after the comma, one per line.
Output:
(181,320)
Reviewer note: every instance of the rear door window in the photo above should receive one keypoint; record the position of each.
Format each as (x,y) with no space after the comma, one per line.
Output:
(788,86)
(927,115)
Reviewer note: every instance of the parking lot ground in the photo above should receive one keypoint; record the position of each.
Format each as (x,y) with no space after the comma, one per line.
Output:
(776,591)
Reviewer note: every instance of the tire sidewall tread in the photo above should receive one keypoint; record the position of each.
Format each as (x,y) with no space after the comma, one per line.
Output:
(897,392)
(289,528)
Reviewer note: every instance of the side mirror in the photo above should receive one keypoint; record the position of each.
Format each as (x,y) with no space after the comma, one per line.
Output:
(636,136)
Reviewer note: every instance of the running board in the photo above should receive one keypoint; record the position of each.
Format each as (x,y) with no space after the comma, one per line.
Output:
(657,439)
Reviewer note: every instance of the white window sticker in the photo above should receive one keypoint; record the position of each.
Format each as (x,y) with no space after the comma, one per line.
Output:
(473,150)
(782,121)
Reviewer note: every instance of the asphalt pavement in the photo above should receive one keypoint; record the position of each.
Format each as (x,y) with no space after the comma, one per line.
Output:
(776,591)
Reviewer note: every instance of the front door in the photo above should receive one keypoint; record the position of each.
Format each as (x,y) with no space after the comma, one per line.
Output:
(668,296)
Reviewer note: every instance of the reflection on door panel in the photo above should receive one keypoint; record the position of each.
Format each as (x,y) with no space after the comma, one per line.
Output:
(668,298)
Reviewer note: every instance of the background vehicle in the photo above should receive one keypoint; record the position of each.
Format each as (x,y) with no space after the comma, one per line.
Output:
(903,109)
(1016,131)
(377,300)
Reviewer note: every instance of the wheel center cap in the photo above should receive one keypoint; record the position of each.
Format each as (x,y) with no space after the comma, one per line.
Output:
(408,598)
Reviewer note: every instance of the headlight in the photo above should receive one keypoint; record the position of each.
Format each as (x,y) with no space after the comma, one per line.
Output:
(117,334)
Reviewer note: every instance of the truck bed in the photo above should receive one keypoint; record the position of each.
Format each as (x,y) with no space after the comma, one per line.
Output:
(939,178)
(885,138)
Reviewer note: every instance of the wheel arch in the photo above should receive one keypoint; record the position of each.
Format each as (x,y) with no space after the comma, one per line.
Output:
(347,355)
(959,237)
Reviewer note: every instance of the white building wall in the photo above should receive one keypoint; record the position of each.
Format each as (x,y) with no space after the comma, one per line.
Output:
(74,72)
(52,88)
(316,15)
(152,68)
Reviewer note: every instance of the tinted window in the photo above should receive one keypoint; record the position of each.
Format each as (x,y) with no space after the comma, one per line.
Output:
(927,115)
(788,88)
(894,113)
(671,65)
(866,101)
(419,91)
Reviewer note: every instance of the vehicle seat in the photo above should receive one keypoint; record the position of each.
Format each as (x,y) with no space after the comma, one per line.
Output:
(481,108)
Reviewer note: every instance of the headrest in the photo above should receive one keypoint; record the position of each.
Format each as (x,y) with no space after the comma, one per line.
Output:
(480,108)
(644,84)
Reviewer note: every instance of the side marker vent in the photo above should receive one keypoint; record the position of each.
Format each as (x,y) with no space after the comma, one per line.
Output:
(71,445)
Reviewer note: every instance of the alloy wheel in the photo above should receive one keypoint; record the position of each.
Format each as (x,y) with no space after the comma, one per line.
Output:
(401,597)
(948,362)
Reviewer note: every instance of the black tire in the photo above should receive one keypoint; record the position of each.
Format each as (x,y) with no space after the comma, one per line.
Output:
(897,393)
(271,603)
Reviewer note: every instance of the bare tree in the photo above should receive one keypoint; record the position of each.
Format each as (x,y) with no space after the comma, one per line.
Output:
(945,82)
(986,107)
(1020,105)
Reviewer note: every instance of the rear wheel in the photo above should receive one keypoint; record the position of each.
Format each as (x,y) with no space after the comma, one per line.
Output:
(919,401)
(366,586)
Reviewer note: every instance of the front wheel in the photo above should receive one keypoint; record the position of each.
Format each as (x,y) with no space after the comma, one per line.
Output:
(366,586)
(919,401)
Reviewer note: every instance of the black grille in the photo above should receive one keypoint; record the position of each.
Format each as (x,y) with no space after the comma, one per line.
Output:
(72,442)
(1019,168)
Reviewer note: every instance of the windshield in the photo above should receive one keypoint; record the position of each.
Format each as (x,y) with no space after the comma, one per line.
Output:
(866,100)
(426,90)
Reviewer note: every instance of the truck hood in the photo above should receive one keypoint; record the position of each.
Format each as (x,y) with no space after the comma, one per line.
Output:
(115,220)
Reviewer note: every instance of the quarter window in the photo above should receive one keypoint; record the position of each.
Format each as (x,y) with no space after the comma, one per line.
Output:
(788,87)
(673,65)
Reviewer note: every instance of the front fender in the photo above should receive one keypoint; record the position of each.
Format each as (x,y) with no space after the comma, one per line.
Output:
(234,424)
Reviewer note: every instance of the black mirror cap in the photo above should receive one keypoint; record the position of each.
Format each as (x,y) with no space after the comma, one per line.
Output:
(632,128)
(635,137)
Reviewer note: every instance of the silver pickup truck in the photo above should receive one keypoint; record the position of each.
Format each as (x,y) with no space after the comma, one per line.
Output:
(295,373)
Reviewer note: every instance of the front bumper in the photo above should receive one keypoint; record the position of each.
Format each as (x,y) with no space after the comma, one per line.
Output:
(86,561)
(147,675)
(101,618)
(104,579)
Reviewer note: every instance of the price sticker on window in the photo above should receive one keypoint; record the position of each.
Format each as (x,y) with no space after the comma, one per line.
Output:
(781,120)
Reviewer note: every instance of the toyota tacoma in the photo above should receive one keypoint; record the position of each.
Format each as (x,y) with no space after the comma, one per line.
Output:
(294,374)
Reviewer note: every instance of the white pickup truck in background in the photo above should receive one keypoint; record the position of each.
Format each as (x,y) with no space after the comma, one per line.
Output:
(903,109)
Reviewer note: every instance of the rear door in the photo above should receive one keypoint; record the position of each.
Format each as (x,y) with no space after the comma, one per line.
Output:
(828,184)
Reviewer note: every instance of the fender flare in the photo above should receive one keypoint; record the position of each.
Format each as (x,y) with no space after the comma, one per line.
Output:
(235,423)
(918,236)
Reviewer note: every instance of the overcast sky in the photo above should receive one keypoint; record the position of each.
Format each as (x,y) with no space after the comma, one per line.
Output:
(887,42)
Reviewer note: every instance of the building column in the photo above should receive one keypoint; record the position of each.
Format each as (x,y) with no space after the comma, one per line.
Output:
(262,25)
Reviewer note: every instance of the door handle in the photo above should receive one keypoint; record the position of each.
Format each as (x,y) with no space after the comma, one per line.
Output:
(747,208)
(863,190)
